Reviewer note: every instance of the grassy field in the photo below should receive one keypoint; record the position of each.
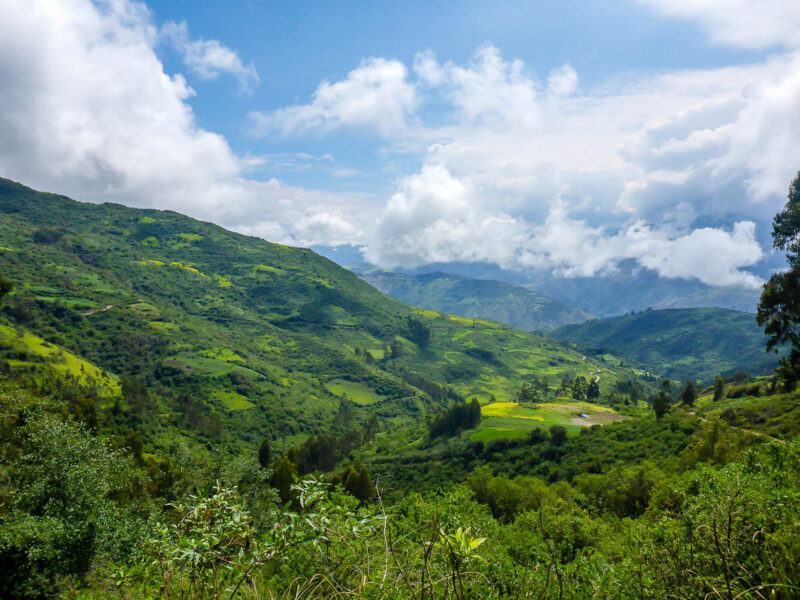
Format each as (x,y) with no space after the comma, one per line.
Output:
(353,391)
(512,420)
(40,352)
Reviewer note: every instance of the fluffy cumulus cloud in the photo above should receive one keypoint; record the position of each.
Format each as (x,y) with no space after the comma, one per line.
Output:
(208,59)
(376,95)
(87,110)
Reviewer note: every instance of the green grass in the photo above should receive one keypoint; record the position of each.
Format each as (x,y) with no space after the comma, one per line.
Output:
(59,359)
(232,400)
(353,391)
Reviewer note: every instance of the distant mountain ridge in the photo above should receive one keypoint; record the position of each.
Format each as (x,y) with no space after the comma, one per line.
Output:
(477,298)
(679,343)
(630,288)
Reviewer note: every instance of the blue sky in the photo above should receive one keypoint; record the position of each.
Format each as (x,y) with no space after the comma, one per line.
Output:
(563,136)
(295,46)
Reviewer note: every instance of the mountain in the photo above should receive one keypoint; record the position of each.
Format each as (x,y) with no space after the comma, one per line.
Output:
(629,288)
(679,343)
(477,298)
(633,289)
(234,338)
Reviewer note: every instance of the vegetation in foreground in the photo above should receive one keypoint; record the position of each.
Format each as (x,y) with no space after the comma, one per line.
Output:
(81,519)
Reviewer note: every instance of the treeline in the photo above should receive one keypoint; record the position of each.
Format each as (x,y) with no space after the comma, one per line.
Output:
(435,390)
(456,419)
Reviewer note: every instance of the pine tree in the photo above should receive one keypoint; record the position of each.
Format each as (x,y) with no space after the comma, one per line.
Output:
(719,388)
(660,404)
(264,451)
(689,394)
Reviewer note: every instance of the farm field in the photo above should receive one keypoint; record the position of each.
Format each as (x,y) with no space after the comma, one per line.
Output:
(514,420)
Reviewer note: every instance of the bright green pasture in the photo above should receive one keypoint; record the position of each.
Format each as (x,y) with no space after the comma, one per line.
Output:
(60,359)
(353,391)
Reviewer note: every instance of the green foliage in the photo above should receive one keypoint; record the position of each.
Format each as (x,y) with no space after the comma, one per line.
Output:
(68,499)
(558,435)
(5,287)
(719,388)
(689,393)
(779,307)
(419,332)
(264,453)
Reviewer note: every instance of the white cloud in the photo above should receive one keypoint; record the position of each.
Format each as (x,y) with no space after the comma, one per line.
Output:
(88,111)
(208,59)
(746,23)
(435,217)
(376,95)
(520,173)
(562,81)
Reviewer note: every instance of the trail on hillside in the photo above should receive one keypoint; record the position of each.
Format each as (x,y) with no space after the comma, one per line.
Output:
(750,431)
(94,311)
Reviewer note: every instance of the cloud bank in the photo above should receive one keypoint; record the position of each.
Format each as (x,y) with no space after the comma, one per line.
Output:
(676,170)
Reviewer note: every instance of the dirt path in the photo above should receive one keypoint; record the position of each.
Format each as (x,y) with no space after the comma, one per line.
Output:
(750,431)
(94,311)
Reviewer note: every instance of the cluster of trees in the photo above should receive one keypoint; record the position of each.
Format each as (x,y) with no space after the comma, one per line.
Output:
(460,416)
(419,332)
(537,390)
(585,390)
(437,391)
(320,453)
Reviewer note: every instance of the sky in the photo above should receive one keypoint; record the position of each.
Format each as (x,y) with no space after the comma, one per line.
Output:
(567,136)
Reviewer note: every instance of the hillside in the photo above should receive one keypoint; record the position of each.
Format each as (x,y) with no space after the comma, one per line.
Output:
(630,288)
(477,298)
(679,343)
(235,338)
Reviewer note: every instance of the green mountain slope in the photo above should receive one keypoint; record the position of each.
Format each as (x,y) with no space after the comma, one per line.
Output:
(236,337)
(503,302)
(679,343)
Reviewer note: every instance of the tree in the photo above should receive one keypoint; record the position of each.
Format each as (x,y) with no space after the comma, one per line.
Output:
(419,333)
(264,451)
(284,474)
(396,350)
(662,400)
(689,394)
(5,287)
(593,390)
(779,308)
(660,404)
(719,388)
(558,435)
(579,387)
